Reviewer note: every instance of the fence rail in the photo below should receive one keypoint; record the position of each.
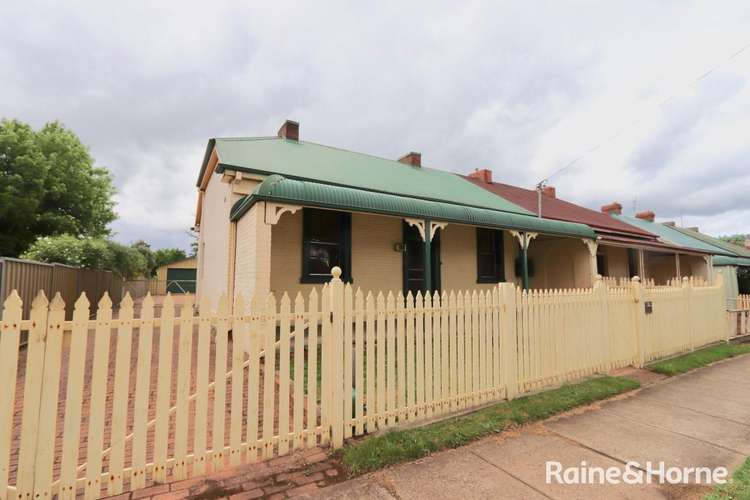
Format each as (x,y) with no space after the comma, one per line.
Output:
(106,405)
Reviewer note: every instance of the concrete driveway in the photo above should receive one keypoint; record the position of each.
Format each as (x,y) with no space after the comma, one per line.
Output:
(701,419)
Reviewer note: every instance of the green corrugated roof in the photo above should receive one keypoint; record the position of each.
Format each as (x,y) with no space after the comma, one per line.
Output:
(729,247)
(324,164)
(725,260)
(672,235)
(279,189)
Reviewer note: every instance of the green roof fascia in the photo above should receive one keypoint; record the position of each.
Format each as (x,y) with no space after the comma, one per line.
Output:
(729,247)
(724,260)
(324,164)
(276,188)
(671,235)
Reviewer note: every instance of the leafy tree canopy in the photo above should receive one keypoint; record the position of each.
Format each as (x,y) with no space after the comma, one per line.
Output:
(95,253)
(165,256)
(49,186)
(737,239)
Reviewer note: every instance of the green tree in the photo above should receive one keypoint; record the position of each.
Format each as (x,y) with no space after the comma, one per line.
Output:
(93,253)
(49,186)
(148,254)
(165,256)
(737,239)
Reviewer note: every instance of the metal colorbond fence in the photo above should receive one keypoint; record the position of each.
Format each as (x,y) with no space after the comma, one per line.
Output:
(115,403)
(28,277)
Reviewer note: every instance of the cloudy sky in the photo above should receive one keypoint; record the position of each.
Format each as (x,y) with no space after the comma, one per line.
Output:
(522,88)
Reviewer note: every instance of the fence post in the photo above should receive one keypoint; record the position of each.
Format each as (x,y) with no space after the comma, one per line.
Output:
(600,292)
(509,338)
(335,344)
(637,291)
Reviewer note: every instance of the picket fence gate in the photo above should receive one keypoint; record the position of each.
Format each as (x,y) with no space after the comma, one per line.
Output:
(116,403)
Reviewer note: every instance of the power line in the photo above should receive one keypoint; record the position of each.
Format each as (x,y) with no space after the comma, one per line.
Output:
(628,125)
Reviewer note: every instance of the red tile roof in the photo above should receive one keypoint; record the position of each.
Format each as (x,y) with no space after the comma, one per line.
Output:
(555,208)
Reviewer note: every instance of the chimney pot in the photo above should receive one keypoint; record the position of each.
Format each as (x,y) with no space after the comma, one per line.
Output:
(694,228)
(549,191)
(412,158)
(648,215)
(289,130)
(612,208)
(484,175)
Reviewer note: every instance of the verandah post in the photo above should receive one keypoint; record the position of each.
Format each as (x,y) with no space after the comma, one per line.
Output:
(509,338)
(336,359)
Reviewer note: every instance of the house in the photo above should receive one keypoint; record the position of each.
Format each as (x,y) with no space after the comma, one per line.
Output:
(622,250)
(735,267)
(277,213)
(695,258)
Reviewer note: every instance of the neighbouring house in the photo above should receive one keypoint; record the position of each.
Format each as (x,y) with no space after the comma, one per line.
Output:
(622,250)
(177,277)
(735,266)
(695,258)
(277,213)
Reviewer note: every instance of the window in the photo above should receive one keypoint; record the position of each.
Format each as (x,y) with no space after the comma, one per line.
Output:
(490,268)
(326,242)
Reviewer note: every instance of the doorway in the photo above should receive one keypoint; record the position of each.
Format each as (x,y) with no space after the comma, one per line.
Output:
(413,261)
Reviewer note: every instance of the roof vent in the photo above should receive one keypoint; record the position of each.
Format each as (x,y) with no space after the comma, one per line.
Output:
(412,158)
(484,175)
(289,130)
(549,191)
(612,208)
(647,215)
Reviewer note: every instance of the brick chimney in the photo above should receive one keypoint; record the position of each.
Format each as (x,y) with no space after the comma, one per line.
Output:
(612,208)
(646,215)
(412,158)
(484,175)
(289,130)
(549,191)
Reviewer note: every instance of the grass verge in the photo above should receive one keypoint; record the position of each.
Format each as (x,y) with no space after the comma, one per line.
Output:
(400,446)
(703,357)
(737,489)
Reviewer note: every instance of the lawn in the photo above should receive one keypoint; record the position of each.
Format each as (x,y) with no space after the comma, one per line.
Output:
(702,357)
(737,489)
(399,446)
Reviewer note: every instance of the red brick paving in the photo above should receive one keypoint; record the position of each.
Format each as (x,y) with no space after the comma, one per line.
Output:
(284,477)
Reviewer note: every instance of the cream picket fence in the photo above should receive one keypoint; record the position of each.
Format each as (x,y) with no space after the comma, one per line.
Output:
(740,314)
(106,405)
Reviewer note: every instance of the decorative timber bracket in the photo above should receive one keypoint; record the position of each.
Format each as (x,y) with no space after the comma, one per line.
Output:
(274,211)
(420,225)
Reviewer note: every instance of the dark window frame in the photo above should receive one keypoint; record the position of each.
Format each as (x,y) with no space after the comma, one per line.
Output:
(498,253)
(344,244)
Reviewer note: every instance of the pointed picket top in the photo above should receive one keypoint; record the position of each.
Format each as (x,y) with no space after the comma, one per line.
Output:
(390,295)
(148,300)
(40,301)
(313,293)
(348,287)
(358,294)
(459,297)
(409,300)
(239,298)
(126,302)
(380,296)
(436,299)
(223,306)
(400,298)
(285,299)
(271,302)
(369,301)
(239,306)
(82,302)
(427,300)
(57,304)
(285,304)
(299,299)
(187,304)
(452,298)
(12,305)
(147,306)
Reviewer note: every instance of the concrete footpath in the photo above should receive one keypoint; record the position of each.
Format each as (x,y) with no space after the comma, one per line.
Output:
(701,419)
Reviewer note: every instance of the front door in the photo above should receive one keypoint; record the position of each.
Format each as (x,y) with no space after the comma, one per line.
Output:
(414,261)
